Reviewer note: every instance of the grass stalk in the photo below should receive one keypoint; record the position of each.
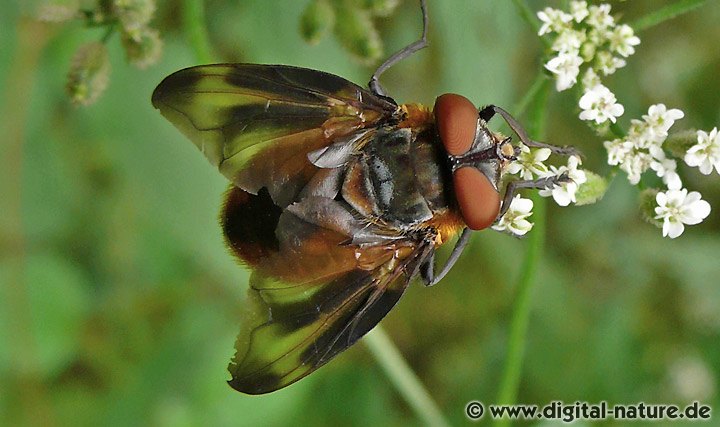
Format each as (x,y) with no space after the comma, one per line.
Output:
(403,378)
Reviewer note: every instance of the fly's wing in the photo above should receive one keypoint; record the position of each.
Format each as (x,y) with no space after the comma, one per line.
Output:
(311,294)
(257,123)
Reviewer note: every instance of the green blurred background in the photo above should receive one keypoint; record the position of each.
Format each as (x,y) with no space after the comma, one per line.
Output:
(119,304)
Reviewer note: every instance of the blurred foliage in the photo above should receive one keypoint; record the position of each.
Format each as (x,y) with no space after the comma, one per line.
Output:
(119,303)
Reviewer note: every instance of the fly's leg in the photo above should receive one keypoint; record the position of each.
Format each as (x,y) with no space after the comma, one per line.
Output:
(427,269)
(488,112)
(403,53)
(541,184)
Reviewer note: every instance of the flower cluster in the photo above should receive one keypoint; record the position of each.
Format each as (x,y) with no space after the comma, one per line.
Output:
(530,165)
(90,68)
(642,148)
(586,37)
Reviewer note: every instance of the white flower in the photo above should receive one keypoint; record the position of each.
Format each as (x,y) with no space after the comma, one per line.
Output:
(599,104)
(641,136)
(617,150)
(608,64)
(706,153)
(566,66)
(569,41)
(677,207)
(634,164)
(660,120)
(554,20)
(665,168)
(564,193)
(590,79)
(596,37)
(530,162)
(623,40)
(579,10)
(599,16)
(515,219)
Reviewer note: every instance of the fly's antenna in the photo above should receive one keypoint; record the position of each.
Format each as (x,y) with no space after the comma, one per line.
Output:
(398,56)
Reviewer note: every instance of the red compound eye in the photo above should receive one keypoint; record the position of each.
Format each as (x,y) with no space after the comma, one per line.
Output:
(456,118)
(479,201)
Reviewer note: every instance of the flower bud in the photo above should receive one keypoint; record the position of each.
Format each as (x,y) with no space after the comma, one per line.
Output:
(648,205)
(89,73)
(591,190)
(356,32)
(316,21)
(58,10)
(380,7)
(133,13)
(679,143)
(143,46)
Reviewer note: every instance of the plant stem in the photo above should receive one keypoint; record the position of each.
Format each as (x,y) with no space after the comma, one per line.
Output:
(529,17)
(510,379)
(617,130)
(193,16)
(537,85)
(403,377)
(665,14)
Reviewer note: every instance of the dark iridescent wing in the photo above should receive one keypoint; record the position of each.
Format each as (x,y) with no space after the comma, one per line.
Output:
(257,123)
(311,294)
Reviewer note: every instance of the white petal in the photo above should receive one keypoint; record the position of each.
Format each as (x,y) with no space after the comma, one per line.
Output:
(520,227)
(542,154)
(676,197)
(672,180)
(699,211)
(692,159)
(661,199)
(673,229)
(521,205)
(588,115)
(706,167)
(561,197)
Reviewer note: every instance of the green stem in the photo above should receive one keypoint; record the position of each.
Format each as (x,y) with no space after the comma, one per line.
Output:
(617,130)
(193,16)
(537,85)
(665,14)
(403,377)
(510,379)
(108,33)
(529,17)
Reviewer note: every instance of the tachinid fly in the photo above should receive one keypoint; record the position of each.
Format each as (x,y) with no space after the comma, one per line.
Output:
(339,197)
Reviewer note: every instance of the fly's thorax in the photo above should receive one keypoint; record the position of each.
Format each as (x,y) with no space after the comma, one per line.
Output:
(402,176)
(416,116)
